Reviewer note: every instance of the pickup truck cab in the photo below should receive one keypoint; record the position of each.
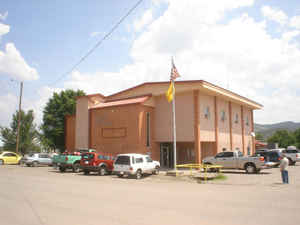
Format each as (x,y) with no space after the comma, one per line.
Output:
(68,160)
(236,160)
(95,162)
(135,164)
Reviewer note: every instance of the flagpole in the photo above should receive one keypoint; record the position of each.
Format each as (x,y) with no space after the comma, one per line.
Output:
(174,124)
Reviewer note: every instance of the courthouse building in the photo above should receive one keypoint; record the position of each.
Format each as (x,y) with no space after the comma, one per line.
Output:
(209,119)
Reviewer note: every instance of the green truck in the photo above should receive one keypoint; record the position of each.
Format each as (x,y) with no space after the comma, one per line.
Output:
(68,160)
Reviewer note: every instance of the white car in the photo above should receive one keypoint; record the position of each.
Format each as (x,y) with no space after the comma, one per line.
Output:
(135,164)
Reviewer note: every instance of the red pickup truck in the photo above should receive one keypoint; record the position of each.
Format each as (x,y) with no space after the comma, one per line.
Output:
(96,162)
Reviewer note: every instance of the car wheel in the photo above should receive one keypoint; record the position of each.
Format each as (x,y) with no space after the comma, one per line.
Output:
(102,171)
(250,168)
(257,170)
(76,168)
(62,169)
(34,164)
(1,162)
(86,172)
(138,174)
(120,175)
(28,165)
(156,170)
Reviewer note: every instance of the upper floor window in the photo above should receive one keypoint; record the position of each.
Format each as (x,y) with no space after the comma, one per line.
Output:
(236,118)
(247,121)
(207,112)
(223,115)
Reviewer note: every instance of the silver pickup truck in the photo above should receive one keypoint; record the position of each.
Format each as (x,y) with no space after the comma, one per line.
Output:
(293,155)
(236,160)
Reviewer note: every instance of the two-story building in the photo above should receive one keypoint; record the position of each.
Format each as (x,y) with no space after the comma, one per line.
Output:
(209,119)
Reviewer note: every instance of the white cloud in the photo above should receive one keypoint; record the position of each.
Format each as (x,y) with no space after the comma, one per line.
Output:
(14,65)
(295,22)
(274,14)
(4,29)
(145,20)
(3,16)
(8,106)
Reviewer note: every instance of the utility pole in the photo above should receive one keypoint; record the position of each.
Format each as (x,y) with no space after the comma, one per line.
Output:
(19,119)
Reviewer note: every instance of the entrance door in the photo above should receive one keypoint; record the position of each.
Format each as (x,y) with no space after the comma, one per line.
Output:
(166,156)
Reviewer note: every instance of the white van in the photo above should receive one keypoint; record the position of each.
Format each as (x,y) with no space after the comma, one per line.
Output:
(135,164)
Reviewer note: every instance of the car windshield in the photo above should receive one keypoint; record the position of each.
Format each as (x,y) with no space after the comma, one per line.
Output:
(88,156)
(123,160)
(31,155)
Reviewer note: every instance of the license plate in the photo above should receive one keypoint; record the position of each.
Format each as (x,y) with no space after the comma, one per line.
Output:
(121,173)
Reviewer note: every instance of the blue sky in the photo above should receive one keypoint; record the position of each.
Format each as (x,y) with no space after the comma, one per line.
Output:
(250,47)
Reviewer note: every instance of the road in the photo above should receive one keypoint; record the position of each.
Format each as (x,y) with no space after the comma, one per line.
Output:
(43,196)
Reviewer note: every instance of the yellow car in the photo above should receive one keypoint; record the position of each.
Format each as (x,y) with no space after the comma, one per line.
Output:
(9,158)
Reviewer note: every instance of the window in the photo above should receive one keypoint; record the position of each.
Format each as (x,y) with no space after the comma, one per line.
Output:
(139,160)
(148,129)
(220,155)
(123,160)
(148,159)
(228,154)
(248,150)
(9,155)
(223,149)
(247,121)
(100,157)
(236,118)
(133,160)
(87,156)
(207,113)
(223,115)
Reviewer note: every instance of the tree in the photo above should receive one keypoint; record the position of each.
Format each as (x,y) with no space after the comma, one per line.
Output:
(297,137)
(259,136)
(28,136)
(283,137)
(53,127)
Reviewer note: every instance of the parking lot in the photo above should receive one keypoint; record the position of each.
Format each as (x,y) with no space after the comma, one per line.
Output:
(45,196)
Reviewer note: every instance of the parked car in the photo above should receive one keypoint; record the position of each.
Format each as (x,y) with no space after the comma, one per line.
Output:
(270,156)
(135,164)
(236,160)
(9,158)
(95,162)
(293,155)
(70,160)
(36,159)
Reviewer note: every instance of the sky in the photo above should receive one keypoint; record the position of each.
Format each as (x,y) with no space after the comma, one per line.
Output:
(251,47)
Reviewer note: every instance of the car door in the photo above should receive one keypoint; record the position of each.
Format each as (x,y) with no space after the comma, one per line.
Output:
(10,158)
(219,159)
(149,164)
(226,160)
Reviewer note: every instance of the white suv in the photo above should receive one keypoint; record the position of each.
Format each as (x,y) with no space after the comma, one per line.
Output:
(135,164)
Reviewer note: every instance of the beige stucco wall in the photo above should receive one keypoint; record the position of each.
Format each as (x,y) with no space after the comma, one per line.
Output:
(237,142)
(224,131)
(82,123)
(207,125)
(184,118)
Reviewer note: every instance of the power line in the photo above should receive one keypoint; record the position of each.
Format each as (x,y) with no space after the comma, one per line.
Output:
(99,42)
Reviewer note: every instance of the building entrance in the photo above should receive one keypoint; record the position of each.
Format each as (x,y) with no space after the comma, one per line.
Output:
(166,155)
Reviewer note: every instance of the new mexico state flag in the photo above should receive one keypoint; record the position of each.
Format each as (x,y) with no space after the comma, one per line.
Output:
(170,92)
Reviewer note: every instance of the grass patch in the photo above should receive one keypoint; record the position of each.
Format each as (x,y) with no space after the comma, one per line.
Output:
(220,177)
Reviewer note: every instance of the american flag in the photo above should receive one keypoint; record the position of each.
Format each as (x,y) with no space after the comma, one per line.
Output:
(174,72)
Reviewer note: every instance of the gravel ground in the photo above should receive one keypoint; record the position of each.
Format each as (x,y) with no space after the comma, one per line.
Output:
(43,196)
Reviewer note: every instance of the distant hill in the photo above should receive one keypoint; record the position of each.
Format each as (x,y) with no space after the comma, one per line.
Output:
(268,129)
